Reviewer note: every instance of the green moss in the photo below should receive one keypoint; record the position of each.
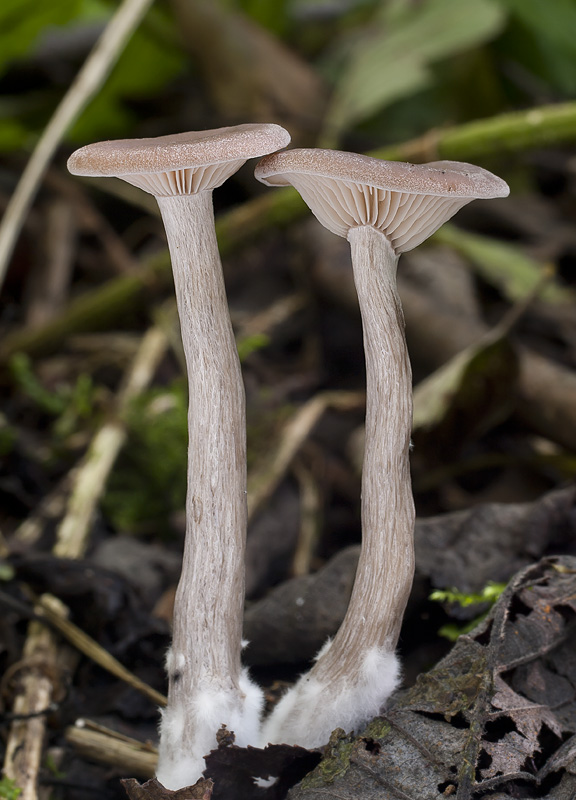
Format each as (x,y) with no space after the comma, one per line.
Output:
(69,405)
(453,688)
(8,789)
(377,729)
(335,762)
(148,483)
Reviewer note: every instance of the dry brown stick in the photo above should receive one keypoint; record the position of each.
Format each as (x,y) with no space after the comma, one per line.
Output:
(264,480)
(47,287)
(105,746)
(263,322)
(90,78)
(93,472)
(90,219)
(37,678)
(38,686)
(85,644)
(310,510)
(50,508)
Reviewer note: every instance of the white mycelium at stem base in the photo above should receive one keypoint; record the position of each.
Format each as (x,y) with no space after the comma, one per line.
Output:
(383,208)
(207,686)
(357,672)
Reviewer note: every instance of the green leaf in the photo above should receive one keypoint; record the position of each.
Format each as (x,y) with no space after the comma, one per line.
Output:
(468,394)
(392,59)
(150,60)
(551,49)
(23,374)
(504,266)
(148,483)
(146,65)
(250,344)
(8,789)
(22,21)
(12,135)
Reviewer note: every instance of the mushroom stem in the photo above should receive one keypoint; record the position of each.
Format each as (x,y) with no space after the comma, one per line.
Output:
(386,567)
(207,686)
(356,672)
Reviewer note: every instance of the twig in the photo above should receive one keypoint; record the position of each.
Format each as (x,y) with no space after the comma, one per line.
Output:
(50,508)
(89,218)
(85,644)
(113,749)
(90,78)
(310,510)
(38,679)
(48,285)
(92,474)
(513,132)
(41,651)
(269,318)
(263,482)
(518,131)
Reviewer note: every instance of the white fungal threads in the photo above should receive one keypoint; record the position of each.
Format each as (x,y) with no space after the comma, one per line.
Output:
(313,708)
(181,757)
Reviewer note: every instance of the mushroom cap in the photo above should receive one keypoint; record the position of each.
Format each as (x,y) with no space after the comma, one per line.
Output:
(406,202)
(181,163)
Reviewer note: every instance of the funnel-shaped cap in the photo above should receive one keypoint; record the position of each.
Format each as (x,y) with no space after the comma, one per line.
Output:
(406,202)
(182,163)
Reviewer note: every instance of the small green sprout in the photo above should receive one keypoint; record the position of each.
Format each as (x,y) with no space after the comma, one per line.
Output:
(250,344)
(8,789)
(489,594)
(68,404)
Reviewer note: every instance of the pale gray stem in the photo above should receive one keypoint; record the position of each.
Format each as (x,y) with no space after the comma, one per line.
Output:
(356,673)
(205,656)
(386,567)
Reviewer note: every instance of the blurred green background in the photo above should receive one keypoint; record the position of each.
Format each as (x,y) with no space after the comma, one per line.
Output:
(347,73)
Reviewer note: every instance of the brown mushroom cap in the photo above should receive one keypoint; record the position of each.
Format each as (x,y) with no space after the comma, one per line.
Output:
(182,163)
(407,202)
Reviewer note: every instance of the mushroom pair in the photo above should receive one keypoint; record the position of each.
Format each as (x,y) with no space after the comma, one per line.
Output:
(383,209)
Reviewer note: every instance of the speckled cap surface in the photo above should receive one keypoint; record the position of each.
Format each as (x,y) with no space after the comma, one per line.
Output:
(192,161)
(440,178)
(177,151)
(406,202)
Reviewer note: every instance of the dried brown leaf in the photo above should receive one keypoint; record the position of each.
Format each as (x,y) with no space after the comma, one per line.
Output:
(153,790)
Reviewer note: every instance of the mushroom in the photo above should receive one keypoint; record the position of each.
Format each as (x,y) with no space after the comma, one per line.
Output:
(383,209)
(207,685)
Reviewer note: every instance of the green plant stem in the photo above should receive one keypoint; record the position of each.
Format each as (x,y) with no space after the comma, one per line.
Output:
(505,133)
(513,132)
